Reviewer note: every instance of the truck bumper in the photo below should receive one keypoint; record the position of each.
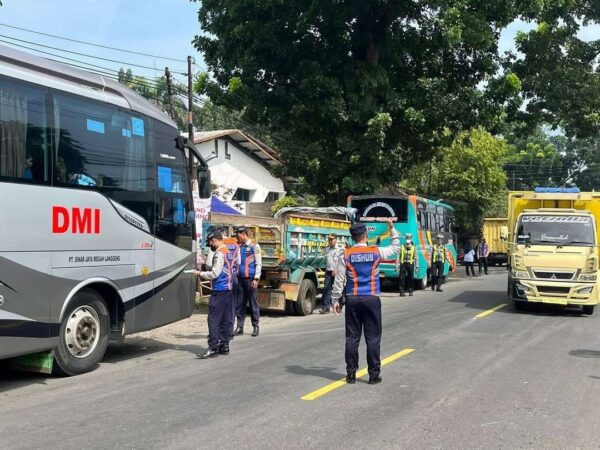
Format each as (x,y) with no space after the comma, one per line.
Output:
(556,293)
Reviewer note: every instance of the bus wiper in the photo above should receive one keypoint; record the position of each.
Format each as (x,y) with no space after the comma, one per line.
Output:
(574,243)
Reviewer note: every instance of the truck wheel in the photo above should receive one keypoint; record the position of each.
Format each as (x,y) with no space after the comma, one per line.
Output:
(588,309)
(421,284)
(307,298)
(83,335)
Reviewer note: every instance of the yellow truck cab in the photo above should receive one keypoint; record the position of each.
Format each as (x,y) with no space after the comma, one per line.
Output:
(553,247)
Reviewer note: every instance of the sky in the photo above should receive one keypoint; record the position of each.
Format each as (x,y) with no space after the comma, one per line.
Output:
(158,27)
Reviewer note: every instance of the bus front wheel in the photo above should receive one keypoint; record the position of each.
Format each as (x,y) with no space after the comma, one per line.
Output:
(83,335)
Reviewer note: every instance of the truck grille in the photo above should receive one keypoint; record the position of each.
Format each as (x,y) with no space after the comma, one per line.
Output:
(554,275)
(553,289)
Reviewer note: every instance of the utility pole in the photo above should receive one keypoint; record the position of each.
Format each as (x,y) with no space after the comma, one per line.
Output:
(170,92)
(190,117)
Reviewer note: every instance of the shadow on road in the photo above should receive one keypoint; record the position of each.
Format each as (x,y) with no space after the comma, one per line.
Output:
(329,373)
(582,353)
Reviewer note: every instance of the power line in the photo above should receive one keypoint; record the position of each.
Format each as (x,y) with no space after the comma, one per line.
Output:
(92,44)
(84,54)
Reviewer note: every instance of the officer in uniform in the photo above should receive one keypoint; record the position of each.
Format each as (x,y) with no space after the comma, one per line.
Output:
(248,278)
(219,305)
(406,266)
(234,259)
(438,260)
(358,274)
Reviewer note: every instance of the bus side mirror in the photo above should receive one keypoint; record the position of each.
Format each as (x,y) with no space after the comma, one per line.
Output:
(203,182)
(504,232)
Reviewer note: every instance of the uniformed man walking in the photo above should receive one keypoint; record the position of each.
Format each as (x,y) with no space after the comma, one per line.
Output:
(406,266)
(234,259)
(358,274)
(438,260)
(248,278)
(219,305)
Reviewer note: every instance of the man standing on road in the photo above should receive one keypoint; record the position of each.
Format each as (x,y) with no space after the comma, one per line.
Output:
(332,254)
(219,305)
(406,266)
(249,275)
(358,274)
(438,260)
(483,252)
(234,259)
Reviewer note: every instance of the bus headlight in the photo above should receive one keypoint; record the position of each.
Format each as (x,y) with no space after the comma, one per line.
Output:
(520,274)
(587,277)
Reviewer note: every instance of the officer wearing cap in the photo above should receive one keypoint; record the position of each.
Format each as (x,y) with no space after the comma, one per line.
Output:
(438,260)
(332,254)
(358,274)
(219,305)
(248,278)
(406,266)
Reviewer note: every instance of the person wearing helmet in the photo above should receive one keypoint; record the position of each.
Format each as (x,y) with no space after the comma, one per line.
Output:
(438,260)
(405,266)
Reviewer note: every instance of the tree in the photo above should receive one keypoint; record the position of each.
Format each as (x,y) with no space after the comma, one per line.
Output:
(357,92)
(559,71)
(469,174)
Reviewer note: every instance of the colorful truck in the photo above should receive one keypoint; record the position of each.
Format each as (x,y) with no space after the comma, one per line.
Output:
(293,258)
(553,247)
(495,232)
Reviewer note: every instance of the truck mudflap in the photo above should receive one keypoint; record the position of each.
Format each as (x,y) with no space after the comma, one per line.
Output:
(576,293)
(273,299)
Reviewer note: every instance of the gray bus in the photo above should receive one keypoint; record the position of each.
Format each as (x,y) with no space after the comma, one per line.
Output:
(96,214)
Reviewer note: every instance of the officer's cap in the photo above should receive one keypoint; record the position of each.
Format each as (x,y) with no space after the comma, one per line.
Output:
(214,235)
(357,228)
(440,236)
(241,229)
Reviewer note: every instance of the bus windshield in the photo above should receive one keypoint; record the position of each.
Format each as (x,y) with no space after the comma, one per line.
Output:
(555,230)
(378,209)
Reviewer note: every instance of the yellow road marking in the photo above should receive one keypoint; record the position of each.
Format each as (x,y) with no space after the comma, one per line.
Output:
(489,311)
(361,373)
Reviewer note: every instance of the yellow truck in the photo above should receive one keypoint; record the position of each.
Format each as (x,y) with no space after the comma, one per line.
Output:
(553,247)
(495,232)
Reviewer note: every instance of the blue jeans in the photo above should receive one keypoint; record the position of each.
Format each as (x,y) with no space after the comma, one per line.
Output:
(327,288)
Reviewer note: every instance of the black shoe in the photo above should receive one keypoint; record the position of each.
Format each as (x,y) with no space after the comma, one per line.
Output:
(209,353)
(255,332)
(375,380)
(224,349)
(410,294)
(440,290)
(239,331)
(351,378)
(432,288)
(324,311)
(402,294)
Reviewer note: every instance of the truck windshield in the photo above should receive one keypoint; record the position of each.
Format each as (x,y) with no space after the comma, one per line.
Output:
(555,230)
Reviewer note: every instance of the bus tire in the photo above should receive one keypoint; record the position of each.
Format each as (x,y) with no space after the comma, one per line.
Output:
(307,298)
(422,283)
(83,334)
(588,309)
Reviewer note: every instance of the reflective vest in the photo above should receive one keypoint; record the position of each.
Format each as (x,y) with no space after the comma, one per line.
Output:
(234,251)
(439,253)
(407,256)
(223,282)
(362,270)
(248,261)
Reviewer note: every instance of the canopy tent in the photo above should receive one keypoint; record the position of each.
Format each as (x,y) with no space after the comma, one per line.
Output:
(219,206)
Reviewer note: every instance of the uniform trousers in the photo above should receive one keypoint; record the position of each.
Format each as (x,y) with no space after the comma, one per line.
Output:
(437,275)
(363,313)
(219,318)
(483,263)
(327,288)
(407,277)
(234,302)
(246,294)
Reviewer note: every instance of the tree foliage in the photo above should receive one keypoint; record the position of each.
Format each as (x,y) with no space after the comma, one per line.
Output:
(467,173)
(357,91)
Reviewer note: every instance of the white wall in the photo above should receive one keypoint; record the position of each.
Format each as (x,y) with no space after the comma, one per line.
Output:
(241,171)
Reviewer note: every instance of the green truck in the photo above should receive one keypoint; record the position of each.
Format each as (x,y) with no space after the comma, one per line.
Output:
(293,245)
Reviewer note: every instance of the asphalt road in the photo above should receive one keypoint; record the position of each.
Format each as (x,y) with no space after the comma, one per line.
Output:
(506,380)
